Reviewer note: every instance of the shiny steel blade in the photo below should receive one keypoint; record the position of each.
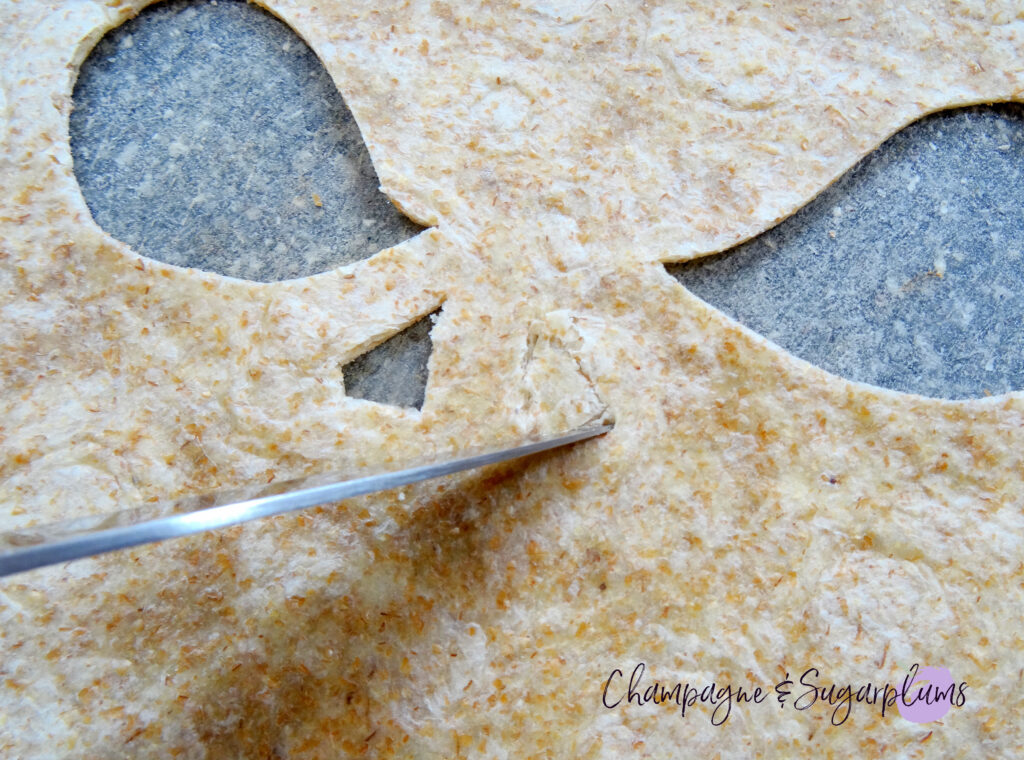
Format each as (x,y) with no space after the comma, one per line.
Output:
(43,545)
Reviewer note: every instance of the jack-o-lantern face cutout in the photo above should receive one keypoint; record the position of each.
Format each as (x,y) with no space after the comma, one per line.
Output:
(750,516)
(210,136)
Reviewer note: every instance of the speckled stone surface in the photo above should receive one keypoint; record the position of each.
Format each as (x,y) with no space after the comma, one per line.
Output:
(209,135)
(906,273)
(395,372)
(204,133)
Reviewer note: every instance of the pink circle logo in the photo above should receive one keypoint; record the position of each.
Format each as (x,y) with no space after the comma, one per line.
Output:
(927,694)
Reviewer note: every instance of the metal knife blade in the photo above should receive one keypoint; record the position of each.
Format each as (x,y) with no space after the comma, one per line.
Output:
(43,545)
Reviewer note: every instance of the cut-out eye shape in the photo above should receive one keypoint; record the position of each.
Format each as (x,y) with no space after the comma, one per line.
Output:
(395,372)
(907,273)
(210,136)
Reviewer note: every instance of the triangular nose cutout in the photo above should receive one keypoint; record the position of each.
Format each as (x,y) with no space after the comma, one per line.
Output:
(395,372)
(210,136)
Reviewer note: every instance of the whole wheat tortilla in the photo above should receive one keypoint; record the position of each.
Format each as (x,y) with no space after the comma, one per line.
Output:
(750,516)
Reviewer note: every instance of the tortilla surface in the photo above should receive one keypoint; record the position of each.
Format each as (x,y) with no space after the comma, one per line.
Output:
(749,518)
